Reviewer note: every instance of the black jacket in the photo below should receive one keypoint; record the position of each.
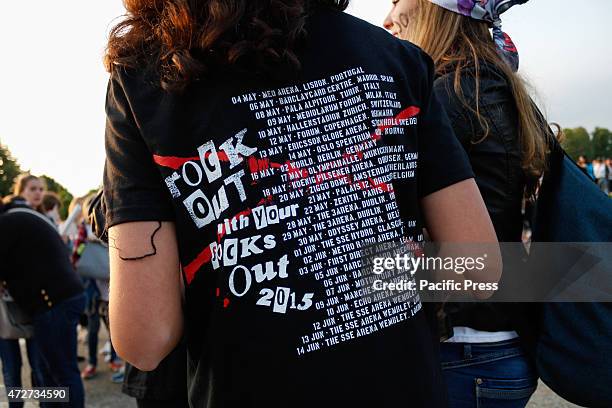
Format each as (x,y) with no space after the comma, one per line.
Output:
(34,261)
(496,162)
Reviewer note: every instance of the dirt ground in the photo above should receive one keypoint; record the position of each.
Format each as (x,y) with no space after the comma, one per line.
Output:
(102,393)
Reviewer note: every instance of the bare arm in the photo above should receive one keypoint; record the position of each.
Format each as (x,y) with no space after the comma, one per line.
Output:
(457,218)
(145,294)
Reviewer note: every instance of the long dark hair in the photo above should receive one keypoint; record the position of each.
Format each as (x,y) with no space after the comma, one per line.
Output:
(182,40)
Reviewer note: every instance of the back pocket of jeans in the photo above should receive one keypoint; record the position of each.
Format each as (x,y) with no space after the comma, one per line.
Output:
(504,393)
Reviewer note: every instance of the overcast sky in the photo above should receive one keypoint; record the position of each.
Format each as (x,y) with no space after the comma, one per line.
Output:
(52,83)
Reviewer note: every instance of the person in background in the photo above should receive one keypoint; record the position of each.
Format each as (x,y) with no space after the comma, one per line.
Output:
(37,272)
(51,206)
(31,188)
(505,138)
(97,296)
(71,225)
(70,228)
(587,168)
(28,191)
(600,171)
(609,170)
(582,163)
(591,168)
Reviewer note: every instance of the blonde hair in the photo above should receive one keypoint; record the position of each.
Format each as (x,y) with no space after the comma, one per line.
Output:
(456,42)
(75,201)
(84,202)
(87,200)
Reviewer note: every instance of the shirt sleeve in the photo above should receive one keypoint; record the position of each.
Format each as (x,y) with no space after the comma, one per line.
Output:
(442,160)
(133,187)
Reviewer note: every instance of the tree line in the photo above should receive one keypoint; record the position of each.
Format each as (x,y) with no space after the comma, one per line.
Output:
(10,169)
(576,142)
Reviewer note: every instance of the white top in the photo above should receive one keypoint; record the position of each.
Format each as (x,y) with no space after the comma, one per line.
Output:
(469,335)
(599,170)
(70,221)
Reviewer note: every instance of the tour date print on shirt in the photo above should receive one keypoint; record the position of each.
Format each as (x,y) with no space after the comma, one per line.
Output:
(325,179)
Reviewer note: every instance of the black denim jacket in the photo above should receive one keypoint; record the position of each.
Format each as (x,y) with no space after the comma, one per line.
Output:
(496,162)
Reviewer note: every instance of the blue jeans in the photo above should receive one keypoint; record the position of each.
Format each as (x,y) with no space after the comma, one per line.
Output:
(10,353)
(93,328)
(55,331)
(487,374)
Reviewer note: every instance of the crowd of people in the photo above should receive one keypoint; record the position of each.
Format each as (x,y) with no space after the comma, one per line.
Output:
(38,277)
(599,170)
(196,154)
(40,274)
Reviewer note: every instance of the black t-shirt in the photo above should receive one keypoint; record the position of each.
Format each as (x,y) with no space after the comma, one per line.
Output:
(34,261)
(168,382)
(274,190)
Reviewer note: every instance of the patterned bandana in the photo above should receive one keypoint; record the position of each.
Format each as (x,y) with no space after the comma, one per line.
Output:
(490,11)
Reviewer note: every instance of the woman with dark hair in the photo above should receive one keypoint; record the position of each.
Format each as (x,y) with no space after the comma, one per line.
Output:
(259,146)
(505,137)
(51,206)
(36,271)
(28,191)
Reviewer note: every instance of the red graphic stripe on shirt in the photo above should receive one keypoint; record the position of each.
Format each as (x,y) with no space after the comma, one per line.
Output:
(348,179)
(221,155)
(349,156)
(294,172)
(256,164)
(385,187)
(323,176)
(172,162)
(175,163)
(408,113)
(194,266)
(206,255)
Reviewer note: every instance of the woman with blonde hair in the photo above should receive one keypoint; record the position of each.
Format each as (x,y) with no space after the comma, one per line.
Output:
(504,136)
